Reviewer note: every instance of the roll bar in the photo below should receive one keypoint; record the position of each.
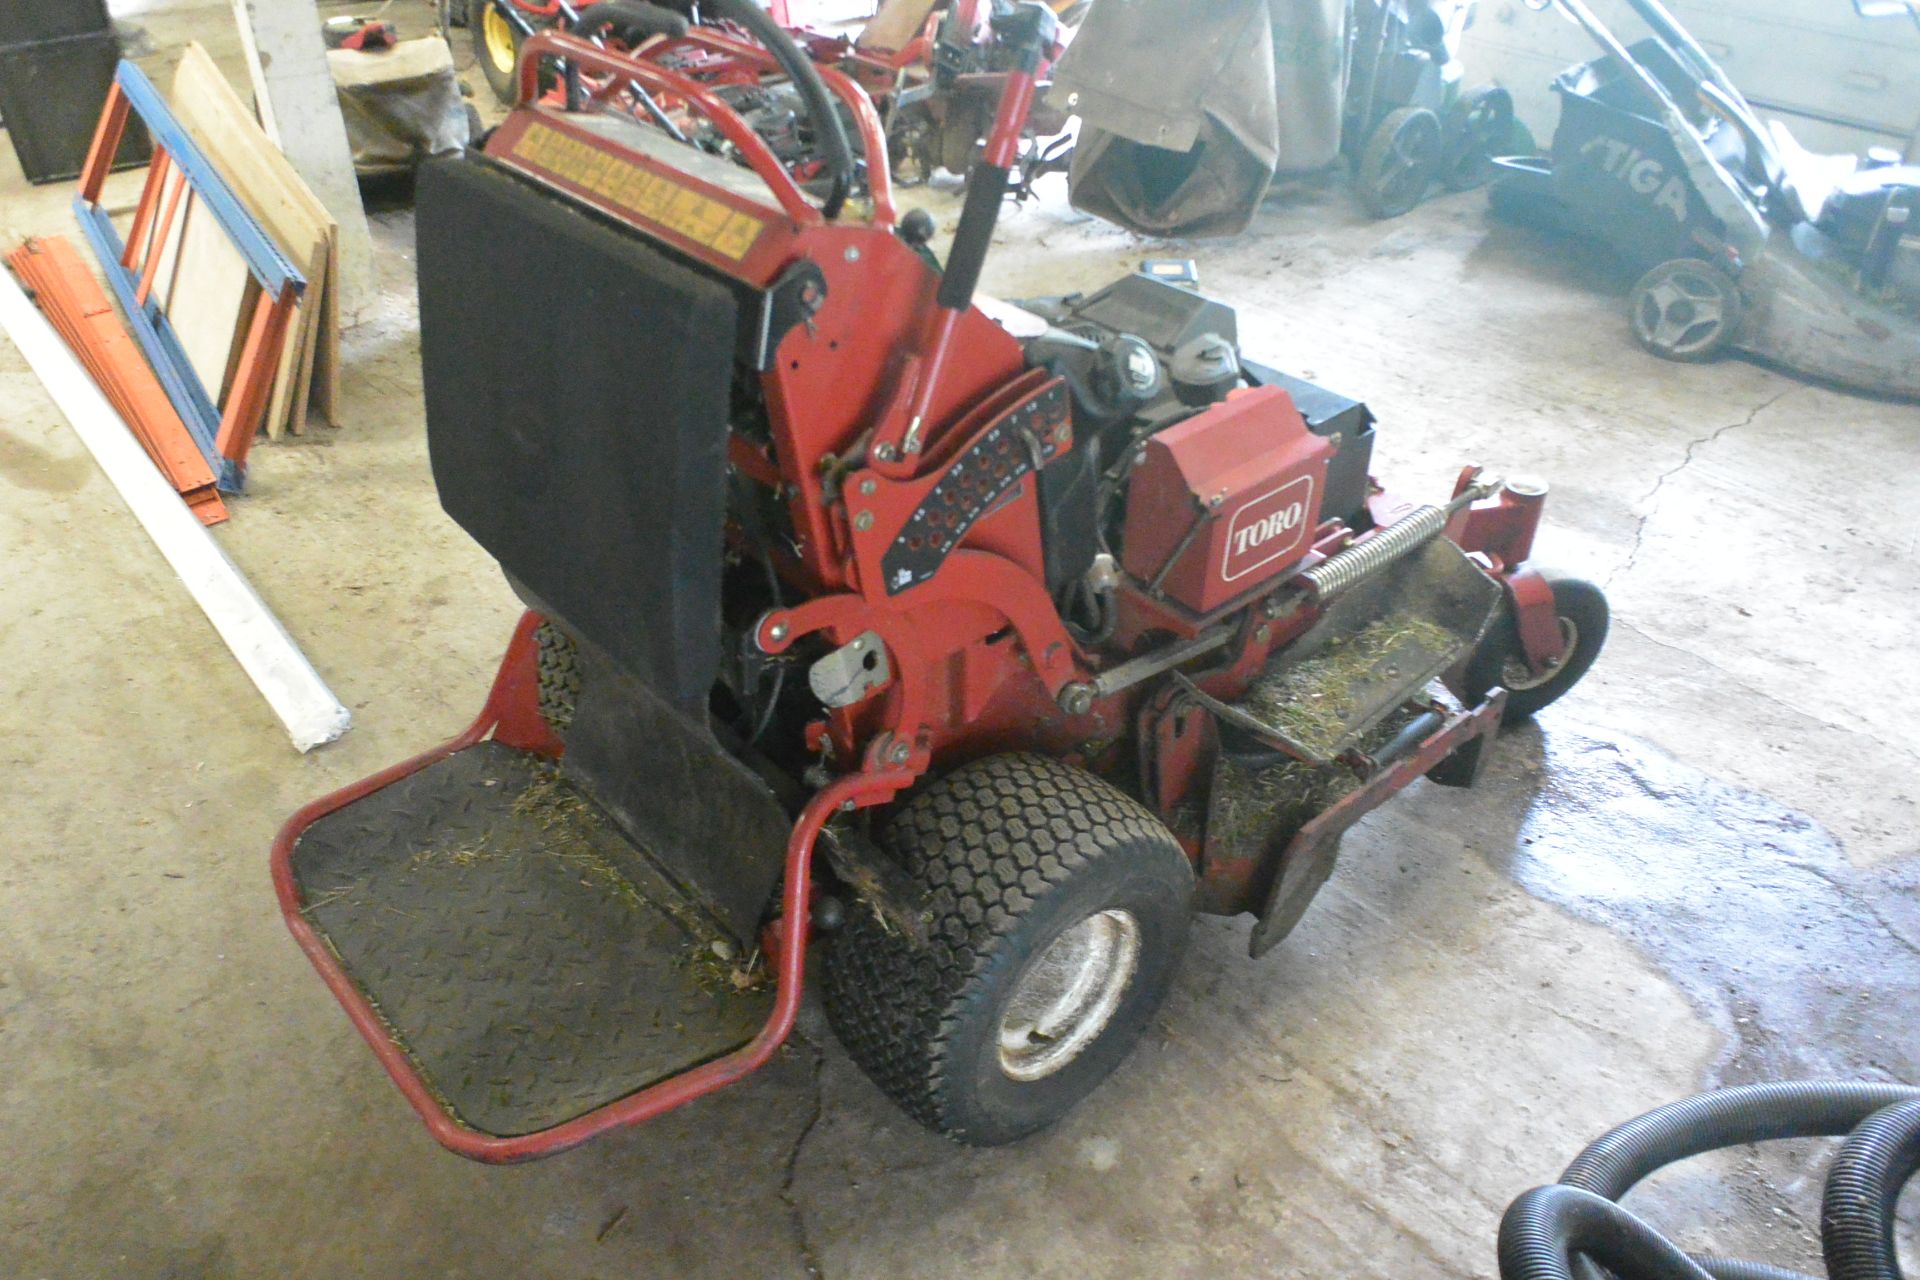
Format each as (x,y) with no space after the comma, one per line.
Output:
(622,70)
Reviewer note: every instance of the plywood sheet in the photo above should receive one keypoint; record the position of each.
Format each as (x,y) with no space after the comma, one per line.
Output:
(265,182)
(202,287)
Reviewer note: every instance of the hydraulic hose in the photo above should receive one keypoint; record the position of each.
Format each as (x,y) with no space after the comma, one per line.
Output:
(828,129)
(1576,1228)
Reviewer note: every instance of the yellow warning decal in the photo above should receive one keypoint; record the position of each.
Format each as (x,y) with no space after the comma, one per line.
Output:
(701,219)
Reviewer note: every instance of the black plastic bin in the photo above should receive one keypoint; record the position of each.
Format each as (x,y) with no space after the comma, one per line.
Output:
(51,94)
(31,21)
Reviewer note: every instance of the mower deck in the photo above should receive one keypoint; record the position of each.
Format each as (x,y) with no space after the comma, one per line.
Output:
(532,962)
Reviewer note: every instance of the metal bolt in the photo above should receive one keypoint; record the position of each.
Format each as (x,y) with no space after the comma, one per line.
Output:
(898,753)
(777,632)
(1062,433)
(863,521)
(853,253)
(868,485)
(1263,633)
(1216,499)
(883,451)
(1272,608)
(1076,699)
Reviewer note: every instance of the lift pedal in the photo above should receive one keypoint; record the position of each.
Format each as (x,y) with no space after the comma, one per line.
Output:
(532,962)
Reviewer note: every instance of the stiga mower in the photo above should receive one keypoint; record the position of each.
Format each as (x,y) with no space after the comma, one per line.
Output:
(984,642)
(1739,239)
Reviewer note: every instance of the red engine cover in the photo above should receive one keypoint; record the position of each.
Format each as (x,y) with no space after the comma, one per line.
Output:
(1250,474)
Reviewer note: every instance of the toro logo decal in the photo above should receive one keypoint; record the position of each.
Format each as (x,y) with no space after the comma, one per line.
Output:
(1269,527)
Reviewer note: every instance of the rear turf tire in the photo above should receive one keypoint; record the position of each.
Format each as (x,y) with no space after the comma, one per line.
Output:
(1032,870)
(556,661)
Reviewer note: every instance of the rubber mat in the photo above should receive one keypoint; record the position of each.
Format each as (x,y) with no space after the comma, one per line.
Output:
(532,962)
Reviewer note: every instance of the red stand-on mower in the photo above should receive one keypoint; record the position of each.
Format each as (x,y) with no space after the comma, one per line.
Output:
(984,643)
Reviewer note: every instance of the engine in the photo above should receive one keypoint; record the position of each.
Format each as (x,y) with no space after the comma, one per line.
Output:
(1199,475)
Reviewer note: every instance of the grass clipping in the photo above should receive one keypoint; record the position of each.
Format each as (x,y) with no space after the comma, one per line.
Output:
(568,825)
(572,833)
(1320,701)
(1256,807)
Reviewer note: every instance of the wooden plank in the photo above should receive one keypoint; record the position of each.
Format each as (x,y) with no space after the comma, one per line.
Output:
(269,656)
(897,24)
(293,381)
(326,356)
(261,177)
(293,378)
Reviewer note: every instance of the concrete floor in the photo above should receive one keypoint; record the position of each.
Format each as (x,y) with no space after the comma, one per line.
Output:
(1698,869)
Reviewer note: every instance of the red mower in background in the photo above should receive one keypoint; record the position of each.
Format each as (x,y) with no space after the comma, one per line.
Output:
(932,70)
(980,643)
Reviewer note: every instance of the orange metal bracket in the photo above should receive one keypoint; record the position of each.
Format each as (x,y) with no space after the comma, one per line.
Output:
(76,305)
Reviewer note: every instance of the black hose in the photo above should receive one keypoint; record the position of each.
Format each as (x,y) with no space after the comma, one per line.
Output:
(1725,1118)
(1734,1269)
(631,21)
(1545,1228)
(1856,1214)
(828,128)
(1576,1228)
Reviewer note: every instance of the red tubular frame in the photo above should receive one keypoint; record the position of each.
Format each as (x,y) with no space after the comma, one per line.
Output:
(657,79)
(873,134)
(793,201)
(511,715)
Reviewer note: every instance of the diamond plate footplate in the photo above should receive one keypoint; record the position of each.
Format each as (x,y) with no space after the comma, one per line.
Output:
(530,960)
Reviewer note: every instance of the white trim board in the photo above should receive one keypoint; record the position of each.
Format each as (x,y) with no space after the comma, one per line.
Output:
(269,656)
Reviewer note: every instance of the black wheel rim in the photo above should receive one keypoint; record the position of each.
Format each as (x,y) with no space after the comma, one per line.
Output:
(1410,163)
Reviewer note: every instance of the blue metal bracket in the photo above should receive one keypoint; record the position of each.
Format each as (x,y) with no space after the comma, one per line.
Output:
(268,265)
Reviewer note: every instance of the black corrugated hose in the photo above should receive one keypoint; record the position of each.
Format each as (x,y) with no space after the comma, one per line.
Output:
(1576,1228)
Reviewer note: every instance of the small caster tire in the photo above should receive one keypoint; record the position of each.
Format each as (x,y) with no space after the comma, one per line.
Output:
(1581,608)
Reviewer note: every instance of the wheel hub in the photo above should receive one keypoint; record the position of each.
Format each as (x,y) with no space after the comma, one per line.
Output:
(499,37)
(1067,994)
(1682,314)
(1516,675)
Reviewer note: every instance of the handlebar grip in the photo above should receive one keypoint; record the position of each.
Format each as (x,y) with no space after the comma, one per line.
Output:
(986,189)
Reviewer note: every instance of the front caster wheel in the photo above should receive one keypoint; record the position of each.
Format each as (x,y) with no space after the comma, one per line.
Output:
(1057,910)
(1581,609)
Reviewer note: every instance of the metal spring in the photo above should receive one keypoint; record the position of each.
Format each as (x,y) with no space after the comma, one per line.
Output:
(1357,563)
